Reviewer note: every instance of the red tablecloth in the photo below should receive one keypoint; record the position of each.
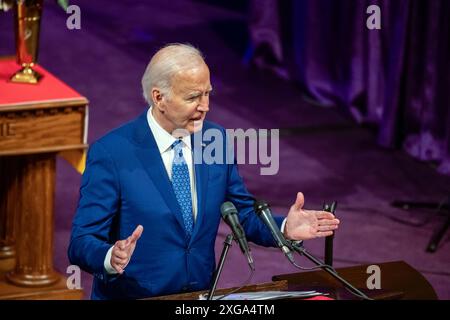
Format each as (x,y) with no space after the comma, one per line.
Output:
(48,89)
(320,298)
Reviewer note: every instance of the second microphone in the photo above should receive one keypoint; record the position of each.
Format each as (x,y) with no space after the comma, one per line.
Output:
(230,216)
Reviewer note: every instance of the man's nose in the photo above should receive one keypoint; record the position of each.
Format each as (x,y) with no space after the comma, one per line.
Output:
(203,106)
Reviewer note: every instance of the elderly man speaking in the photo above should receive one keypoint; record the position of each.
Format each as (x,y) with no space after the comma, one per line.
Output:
(148,215)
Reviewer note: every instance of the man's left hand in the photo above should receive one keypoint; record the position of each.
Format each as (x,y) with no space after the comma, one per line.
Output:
(304,224)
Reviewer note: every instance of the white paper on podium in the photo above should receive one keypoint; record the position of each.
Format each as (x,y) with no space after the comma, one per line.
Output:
(268,295)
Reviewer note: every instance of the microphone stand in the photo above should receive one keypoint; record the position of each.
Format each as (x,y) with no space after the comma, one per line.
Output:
(329,240)
(440,232)
(226,246)
(302,251)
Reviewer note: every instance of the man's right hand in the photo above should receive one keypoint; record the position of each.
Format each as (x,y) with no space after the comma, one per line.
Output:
(123,250)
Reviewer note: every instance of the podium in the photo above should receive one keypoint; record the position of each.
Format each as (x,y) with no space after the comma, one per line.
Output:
(37,122)
(399,281)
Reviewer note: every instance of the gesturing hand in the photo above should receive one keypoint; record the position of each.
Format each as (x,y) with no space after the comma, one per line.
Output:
(123,250)
(308,224)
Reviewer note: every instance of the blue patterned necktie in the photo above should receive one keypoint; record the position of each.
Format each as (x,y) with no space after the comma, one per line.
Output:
(182,186)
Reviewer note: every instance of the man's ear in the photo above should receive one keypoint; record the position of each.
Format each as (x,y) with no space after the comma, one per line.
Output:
(158,98)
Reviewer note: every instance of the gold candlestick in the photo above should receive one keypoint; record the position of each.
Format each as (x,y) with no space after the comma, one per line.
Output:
(27,21)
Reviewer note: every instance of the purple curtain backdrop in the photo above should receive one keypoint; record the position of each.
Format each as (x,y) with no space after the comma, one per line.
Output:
(397,77)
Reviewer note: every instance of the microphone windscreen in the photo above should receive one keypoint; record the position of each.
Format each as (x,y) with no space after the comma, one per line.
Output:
(228,208)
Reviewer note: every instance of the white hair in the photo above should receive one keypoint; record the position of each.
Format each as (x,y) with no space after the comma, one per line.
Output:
(165,64)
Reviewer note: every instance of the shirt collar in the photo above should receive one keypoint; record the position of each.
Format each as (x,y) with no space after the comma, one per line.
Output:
(163,138)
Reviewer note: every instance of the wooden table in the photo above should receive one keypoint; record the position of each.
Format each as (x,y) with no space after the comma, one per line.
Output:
(37,122)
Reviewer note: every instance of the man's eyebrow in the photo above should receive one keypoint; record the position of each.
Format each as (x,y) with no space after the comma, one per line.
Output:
(194,93)
(197,92)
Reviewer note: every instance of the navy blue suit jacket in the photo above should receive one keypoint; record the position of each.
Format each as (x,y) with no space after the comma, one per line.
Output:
(125,184)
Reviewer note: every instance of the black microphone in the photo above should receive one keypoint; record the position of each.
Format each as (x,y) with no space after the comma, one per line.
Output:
(263,211)
(230,216)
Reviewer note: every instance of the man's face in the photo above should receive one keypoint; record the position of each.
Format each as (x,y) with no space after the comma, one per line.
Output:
(188,104)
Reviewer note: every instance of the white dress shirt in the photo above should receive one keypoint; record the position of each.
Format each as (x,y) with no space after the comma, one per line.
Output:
(164,141)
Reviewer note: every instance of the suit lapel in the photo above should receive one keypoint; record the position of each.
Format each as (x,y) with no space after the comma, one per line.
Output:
(148,154)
